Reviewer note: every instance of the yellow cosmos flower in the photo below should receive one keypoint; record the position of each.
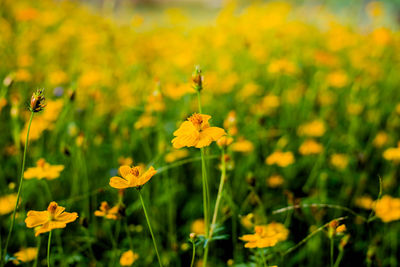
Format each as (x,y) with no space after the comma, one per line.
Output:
(242,145)
(7,203)
(339,161)
(25,255)
(266,236)
(310,147)
(388,208)
(196,131)
(107,212)
(275,181)
(380,139)
(175,155)
(314,129)
(364,202)
(392,153)
(282,159)
(128,258)
(43,170)
(197,227)
(131,177)
(52,218)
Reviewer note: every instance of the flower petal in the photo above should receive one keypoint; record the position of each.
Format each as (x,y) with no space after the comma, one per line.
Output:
(186,128)
(214,133)
(119,183)
(67,217)
(35,218)
(124,170)
(147,176)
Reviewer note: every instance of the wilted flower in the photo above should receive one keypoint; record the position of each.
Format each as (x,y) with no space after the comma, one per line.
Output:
(52,218)
(196,131)
(37,101)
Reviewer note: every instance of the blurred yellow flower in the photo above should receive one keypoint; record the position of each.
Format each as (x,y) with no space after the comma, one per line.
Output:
(364,202)
(25,255)
(266,236)
(282,159)
(380,139)
(196,131)
(43,170)
(230,123)
(125,161)
(392,153)
(310,147)
(242,145)
(197,227)
(247,221)
(275,181)
(107,212)
(388,208)
(52,218)
(7,203)
(313,129)
(176,155)
(128,258)
(339,161)
(131,177)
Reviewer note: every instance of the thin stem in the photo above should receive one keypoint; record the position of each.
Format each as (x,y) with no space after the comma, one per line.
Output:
(339,258)
(151,231)
(193,254)
(331,238)
(199,101)
(19,190)
(263,258)
(48,249)
(205,205)
(311,235)
(220,188)
(37,254)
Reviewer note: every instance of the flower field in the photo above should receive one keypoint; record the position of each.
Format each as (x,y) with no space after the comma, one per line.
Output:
(253,134)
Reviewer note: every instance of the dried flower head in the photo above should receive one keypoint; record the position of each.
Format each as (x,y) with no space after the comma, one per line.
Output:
(37,101)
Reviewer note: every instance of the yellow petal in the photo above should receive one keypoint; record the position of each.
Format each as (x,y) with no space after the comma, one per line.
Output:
(147,176)
(119,183)
(214,133)
(67,217)
(124,170)
(186,128)
(35,218)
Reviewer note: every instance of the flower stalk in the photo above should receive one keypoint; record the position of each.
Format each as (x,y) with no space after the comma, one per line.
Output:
(48,249)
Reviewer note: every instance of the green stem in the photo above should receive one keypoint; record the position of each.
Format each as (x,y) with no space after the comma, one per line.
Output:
(38,251)
(331,238)
(205,205)
(262,257)
(193,254)
(339,258)
(19,190)
(199,101)
(151,231)
(220,188)
(48,249)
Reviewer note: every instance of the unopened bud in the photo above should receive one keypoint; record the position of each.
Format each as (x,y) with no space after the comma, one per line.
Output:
(197,79)
(37,101)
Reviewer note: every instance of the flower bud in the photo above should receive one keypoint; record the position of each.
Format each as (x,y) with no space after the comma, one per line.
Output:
(37,101)
(197,79)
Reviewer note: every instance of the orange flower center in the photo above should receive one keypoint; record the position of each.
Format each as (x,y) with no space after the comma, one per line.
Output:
(135,171)
(196,120)
(104,206)
(40,163)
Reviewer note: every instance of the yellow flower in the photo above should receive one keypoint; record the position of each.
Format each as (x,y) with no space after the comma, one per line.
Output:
(175,155)
(392,153)
(25,255)
(131,177)
(107,212)
(230,123)
(43,170)
(275,181)
(7,203)
(310,147)
(266,236)
(337,79)
(197,227)
(196,131)
(364,202)
(388,208)
(282,159)
(247,221)
(125,161)
(224,141)
(340,161)
(52,218)
(380,139)
(242,145)
(314,129)
(128,258)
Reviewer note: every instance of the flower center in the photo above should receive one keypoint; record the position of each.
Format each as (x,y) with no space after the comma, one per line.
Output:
(40,163)
(135,171)
(196,120)
(52,209)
